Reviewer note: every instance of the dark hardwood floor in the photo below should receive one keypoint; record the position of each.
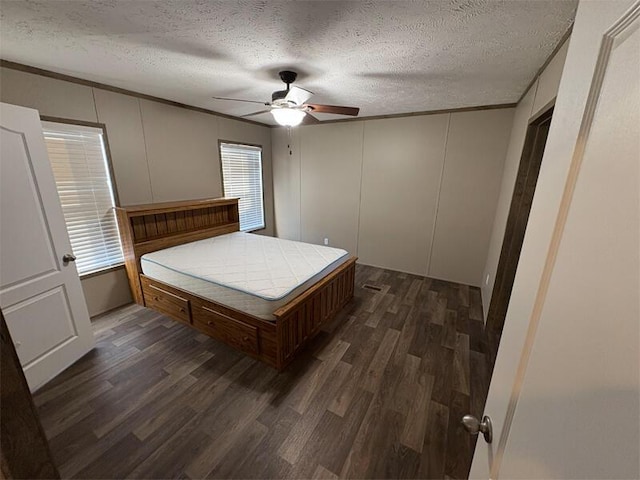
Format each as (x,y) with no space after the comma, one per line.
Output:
(380,394)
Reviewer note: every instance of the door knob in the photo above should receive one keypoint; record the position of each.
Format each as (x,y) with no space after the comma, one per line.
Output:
(474,426)
(68,257)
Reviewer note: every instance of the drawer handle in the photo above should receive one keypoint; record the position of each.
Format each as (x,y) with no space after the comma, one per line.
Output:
(164,292)
(182,310)
(210,323)
(156,299)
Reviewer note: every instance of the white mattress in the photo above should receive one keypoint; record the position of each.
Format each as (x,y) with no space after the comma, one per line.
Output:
(252,273)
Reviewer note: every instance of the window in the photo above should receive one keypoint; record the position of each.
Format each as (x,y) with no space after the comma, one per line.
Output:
(79,161)
(242,178)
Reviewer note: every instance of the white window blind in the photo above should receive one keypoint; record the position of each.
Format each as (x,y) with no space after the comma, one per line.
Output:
(79,163)
(242,178)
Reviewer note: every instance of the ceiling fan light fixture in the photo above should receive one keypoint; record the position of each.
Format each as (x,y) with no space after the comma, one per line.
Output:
(288,117)
(290,108)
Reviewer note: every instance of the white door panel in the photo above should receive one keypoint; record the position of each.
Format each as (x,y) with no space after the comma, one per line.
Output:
(39,331)
(40,295)
(34,247)
(565,390)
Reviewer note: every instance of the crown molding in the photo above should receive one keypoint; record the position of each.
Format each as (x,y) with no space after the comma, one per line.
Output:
(561,42)
(103,86)
(411,114)
(89,83)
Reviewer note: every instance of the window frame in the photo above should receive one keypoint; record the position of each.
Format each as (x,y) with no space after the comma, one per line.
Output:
(110,172)
(246,144)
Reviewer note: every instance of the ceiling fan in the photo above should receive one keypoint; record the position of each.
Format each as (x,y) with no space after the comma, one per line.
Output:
(289,107)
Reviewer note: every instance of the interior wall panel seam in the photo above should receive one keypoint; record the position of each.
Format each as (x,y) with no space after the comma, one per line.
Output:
(146,151)
(300,181)
(439,191)
(95,104)
(360,192)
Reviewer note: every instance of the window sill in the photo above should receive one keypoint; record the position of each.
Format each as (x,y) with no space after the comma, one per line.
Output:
(253,230)
(101,271)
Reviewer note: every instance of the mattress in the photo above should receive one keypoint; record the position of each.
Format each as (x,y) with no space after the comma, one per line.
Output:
(252,273)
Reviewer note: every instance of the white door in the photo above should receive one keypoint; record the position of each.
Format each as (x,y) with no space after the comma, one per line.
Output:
(565,396)
(40,294)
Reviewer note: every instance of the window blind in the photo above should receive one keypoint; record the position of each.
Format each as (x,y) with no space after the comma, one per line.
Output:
(242,178)
(79,164)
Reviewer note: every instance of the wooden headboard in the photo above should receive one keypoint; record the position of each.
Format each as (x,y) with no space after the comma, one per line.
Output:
(147,228)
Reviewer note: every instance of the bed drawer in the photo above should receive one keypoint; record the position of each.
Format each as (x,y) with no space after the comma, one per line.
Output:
(166,302)
(231,331)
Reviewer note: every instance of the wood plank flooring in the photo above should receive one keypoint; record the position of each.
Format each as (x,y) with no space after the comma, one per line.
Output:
(379,394)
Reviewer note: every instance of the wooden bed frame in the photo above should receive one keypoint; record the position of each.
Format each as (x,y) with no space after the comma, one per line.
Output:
(147,228)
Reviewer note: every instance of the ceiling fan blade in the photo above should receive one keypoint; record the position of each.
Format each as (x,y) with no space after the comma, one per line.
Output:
(239,100)
(309,119)
(255,113)
(353,111)
(298,95)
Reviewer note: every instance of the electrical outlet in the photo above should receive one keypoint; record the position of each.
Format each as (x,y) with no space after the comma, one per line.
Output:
(326,241)
(486,280)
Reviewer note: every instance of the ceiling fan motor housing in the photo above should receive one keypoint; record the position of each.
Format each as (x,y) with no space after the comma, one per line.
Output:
(287,76)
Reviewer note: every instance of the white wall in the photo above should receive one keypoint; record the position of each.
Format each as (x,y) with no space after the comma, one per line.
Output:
(51,97)
(476,148)
(330,184)
(182,152)
(106,290)
(408,193)
(286,183)
(123,117)
(400,192)
(159,152)
(537,97)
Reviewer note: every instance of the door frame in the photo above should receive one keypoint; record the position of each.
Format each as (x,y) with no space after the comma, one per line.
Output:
(517,219)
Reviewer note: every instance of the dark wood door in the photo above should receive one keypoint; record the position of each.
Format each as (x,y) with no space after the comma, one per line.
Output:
(523,192)
(25,450)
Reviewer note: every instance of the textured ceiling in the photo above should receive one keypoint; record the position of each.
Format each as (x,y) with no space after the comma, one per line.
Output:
(384,56)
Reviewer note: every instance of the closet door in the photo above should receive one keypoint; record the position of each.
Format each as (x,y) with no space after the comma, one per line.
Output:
(40,292)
